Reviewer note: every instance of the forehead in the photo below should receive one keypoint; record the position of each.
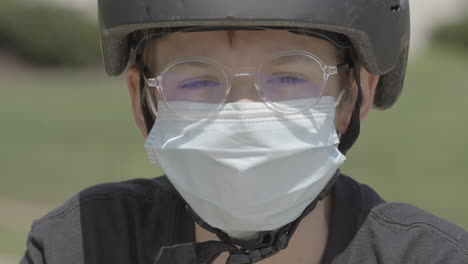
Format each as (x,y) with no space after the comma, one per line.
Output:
(237,47)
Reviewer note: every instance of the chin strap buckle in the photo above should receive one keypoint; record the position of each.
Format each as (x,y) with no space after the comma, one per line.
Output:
(252,256)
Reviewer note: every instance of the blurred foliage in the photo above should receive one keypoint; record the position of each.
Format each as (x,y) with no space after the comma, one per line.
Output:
(46,35)
(453,35)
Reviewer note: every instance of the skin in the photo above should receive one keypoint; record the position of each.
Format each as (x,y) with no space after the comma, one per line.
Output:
(240,49)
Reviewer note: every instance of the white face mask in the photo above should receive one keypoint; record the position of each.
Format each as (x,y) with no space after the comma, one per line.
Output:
(250,168)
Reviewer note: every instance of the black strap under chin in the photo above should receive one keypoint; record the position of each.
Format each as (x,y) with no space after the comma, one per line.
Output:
(267,244)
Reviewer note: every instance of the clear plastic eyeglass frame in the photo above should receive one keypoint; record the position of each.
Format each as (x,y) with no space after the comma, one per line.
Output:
(157,82)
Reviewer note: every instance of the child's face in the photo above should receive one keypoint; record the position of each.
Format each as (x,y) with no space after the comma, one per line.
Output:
(247,49)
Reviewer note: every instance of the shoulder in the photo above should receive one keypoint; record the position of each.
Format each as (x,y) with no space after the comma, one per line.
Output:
(402,233)
(157,192)
(375,231)
(103,217)
(419,227)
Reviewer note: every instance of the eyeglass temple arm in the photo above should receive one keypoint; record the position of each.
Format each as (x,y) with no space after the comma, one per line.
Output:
(344,66)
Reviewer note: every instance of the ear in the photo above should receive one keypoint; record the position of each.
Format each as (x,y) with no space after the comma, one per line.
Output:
(133,84)
(368,84)
(346,108)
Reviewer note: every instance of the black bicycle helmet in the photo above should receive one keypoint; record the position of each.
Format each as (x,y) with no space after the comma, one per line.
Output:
(379,30)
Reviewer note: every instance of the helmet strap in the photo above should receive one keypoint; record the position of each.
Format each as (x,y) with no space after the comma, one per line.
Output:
(348,138)
(145,110)
(268,243)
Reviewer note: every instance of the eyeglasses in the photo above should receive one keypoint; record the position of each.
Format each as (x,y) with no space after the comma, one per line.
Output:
(186,83)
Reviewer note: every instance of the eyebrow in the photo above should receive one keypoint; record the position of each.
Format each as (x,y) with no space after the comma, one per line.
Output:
(197,64)
(285,60)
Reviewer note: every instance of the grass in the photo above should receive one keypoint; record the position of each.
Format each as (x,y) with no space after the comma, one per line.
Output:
(12,241)
(65,130)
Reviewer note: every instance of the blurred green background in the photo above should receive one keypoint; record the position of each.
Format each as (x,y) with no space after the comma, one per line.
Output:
(65,127)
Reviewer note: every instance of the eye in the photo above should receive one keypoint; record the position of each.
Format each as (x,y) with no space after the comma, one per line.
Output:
(286,78)
(196,83)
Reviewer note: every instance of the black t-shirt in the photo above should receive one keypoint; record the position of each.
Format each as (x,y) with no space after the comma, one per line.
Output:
(129,222)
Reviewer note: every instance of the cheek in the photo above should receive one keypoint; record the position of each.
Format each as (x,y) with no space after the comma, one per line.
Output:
(332,87)
(342,117)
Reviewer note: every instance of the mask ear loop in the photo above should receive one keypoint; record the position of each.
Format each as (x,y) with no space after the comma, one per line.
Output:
(149,96)
(152,106)
(338,99)
(335,104)
(149,120)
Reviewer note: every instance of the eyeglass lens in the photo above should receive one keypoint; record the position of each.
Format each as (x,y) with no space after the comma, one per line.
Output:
(283,78)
